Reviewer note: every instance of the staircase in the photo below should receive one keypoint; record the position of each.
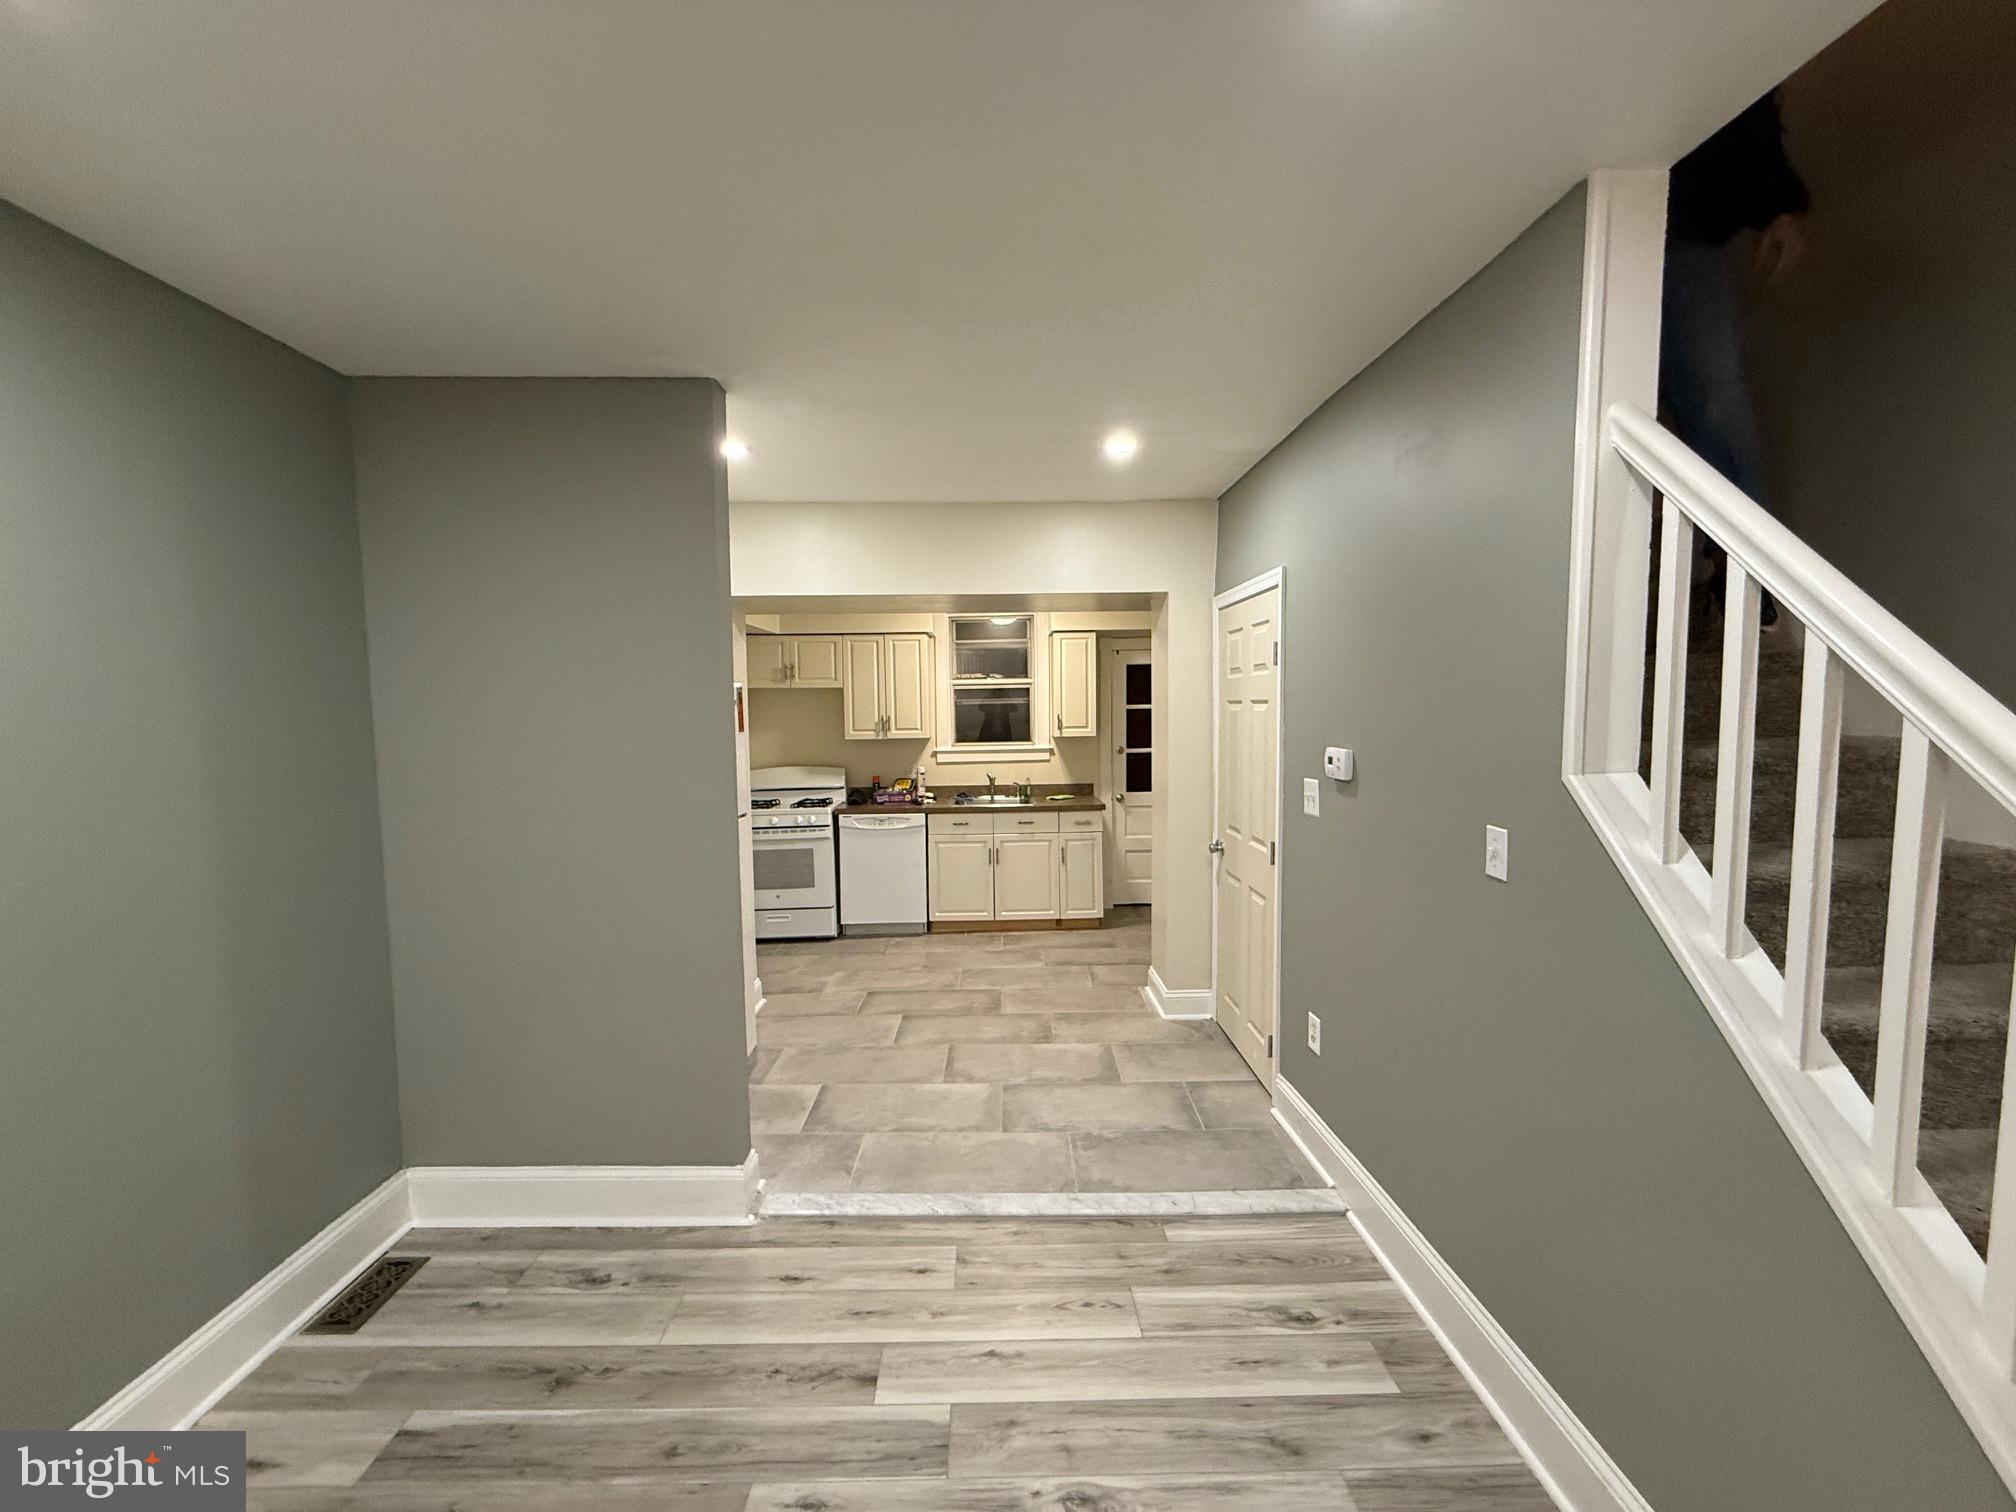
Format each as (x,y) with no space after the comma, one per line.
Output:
(1804,817)
(1974,949)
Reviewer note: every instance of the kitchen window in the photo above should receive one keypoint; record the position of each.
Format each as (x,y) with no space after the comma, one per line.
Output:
(992,677)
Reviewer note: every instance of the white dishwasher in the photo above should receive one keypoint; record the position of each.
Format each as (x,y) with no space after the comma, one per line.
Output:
(882,874)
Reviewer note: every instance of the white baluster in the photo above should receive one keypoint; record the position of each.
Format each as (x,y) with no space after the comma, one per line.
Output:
(1812,850)
(1907,961)
(1669,680)
(1734,759)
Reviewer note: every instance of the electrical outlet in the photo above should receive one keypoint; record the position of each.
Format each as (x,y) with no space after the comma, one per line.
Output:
(1312,797)
(1495,844)
(1315,1035)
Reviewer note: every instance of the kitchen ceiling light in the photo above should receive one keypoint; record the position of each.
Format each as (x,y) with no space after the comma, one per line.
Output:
(1120,446)
(734,450)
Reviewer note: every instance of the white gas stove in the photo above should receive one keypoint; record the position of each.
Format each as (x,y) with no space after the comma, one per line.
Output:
(791,836)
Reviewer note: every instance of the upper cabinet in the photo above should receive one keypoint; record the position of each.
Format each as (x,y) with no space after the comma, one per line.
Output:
(815,661)
(769,661)
(888,686)
(1074,683)
(795,661)
(862,708)
(906,686)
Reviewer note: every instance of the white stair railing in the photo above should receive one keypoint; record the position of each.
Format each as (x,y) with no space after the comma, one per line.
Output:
(1863,1153)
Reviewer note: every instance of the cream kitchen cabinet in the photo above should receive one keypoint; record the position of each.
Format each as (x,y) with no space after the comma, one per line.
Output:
(769,661)
(1017,866)
(961,868)
(1081,867)
(887,679)
(861,669)
(1074,683)
(794,661)
(1025,876)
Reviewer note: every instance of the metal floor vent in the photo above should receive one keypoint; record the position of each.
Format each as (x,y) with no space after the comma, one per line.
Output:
(364,1296)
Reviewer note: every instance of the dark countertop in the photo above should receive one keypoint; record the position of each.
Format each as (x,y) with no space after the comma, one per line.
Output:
(1085,804)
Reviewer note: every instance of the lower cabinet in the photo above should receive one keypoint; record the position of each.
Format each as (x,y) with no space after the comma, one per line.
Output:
(1081,871)
(1016,866)
(961,874)
(1025,876)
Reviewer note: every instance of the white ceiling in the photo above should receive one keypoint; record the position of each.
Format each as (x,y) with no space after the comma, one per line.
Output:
(933,248)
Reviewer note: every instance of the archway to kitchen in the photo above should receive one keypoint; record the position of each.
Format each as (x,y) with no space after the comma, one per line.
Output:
(990,1046)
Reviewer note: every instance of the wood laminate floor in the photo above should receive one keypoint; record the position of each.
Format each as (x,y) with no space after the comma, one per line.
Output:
(1012,1062)
(882,1365)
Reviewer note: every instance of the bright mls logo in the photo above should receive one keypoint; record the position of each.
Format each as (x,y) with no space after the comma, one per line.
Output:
(175,1472)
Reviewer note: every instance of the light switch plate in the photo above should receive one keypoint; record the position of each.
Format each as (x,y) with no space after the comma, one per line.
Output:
(1496,842)
(1312,797)
(1315,1035)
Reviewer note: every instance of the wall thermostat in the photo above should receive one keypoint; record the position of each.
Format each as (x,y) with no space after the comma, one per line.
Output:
(1339,764)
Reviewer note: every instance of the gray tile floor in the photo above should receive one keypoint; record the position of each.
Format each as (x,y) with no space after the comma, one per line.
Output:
(1014,1062)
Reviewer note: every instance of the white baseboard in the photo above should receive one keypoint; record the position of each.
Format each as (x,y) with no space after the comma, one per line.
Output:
(1577,1472)
(1174,1003)
(183,1384)
(597,1196)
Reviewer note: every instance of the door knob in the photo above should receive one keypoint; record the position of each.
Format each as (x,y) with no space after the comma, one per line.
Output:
(1217,847)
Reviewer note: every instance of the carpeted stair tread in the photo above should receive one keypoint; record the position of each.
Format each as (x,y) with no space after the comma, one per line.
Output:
(1966,1038)
(1867,792)
(1960,1166)
(1977,901)
(1778,694)
(1968,1002)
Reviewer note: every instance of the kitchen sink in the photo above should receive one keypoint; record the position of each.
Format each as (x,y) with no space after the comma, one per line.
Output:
(982,799)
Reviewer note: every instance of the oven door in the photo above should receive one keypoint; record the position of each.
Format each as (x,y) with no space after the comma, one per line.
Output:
(794,868)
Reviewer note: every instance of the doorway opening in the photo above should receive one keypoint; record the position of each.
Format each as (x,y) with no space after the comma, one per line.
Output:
(996,1041)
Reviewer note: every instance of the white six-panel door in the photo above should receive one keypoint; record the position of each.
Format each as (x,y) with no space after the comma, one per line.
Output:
(1248,639)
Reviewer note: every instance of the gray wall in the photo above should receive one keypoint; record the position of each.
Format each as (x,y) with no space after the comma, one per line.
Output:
(1886,365)
(547,575)
(197,1071)
(1522,1065)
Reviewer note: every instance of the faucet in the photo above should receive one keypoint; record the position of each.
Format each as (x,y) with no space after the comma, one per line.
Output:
(990,787)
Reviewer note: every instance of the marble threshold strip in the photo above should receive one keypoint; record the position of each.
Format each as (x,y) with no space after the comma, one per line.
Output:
(1047,1204)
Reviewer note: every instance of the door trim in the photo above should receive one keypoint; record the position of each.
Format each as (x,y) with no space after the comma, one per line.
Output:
(1273,578)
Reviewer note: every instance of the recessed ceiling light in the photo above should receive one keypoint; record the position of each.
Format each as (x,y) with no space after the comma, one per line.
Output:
(734,450)
(1120,446)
